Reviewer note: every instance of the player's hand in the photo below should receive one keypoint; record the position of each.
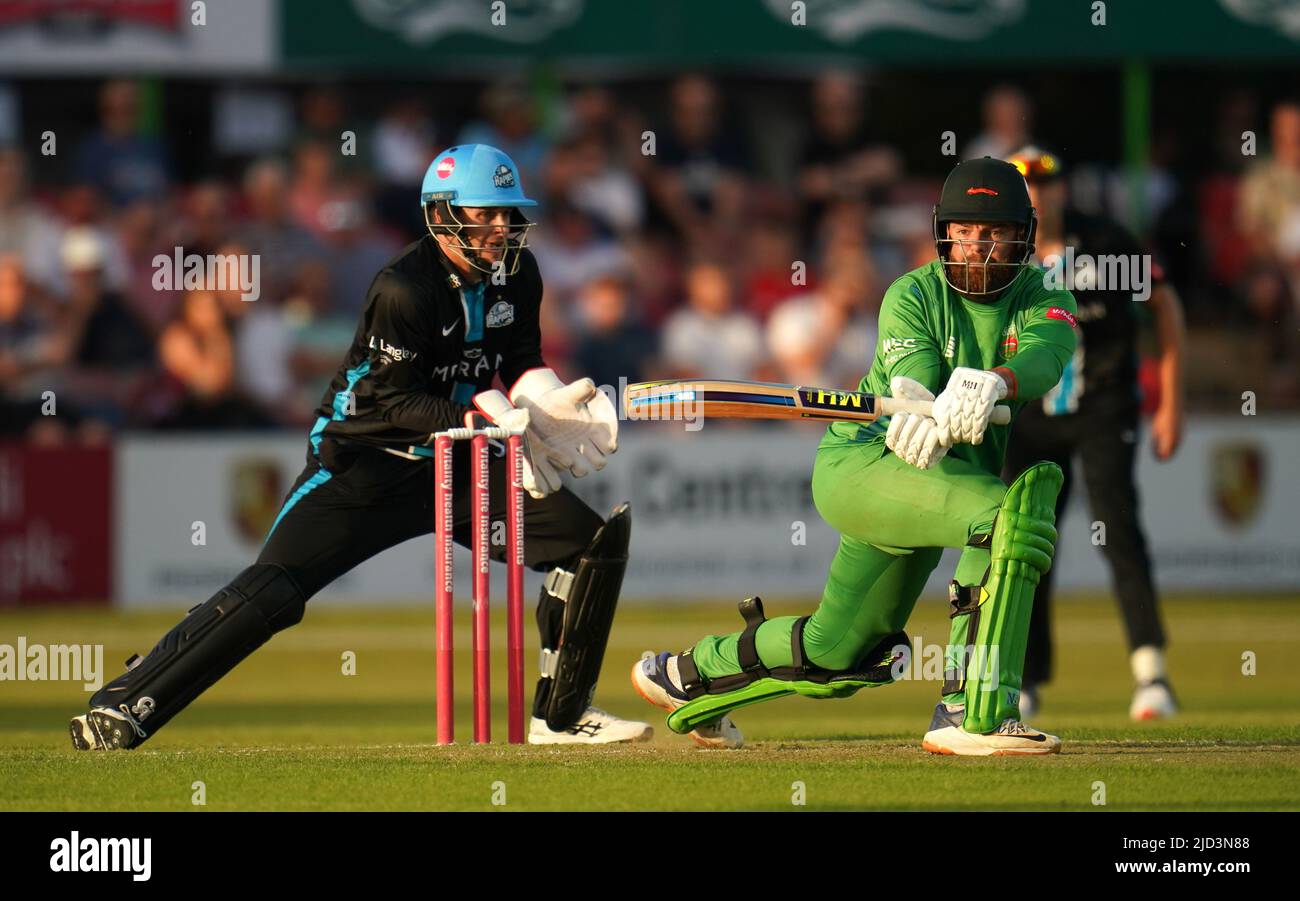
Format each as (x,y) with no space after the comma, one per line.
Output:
(963,408)
(540,476)
(1166,430)
(576,421)
(915,439)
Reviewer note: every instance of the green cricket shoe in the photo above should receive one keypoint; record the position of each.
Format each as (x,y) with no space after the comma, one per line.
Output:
(1012,738)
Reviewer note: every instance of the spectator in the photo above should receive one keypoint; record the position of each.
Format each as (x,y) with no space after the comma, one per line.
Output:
(205,225)
(357,250)
(510,125)
(770,255)
(112,351)
(405,142)
(314,186)
(582,172)
(842,160)
(708,337)
(31,345)
(1269,215)
(25,228)
(571,252)
(613,345)
(698,183)
(1008,121)
(285,247)
(139,232)
(120,160)
(827,338)
(197,353)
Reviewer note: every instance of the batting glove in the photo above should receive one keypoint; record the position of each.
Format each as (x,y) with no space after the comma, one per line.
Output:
(963,408)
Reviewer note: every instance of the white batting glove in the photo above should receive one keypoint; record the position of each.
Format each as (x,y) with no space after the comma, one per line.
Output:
(577,423)
(915,439)
(540,477)
(902,387)
(963,408)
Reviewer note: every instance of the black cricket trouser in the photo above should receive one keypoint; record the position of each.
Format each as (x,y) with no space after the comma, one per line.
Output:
(368,500)
(1105,443)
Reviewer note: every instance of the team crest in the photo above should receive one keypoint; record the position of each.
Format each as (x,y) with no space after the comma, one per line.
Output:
(503,177)
(1237,473)
(1010,342)
(255,497)
(501,314)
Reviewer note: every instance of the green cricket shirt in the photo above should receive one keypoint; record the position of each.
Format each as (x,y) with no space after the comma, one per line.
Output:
(926,329)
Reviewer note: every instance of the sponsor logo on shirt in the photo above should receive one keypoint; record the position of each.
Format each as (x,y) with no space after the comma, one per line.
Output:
(501,314)
(389,353)
(1063,315)
(895,349)
(951,348)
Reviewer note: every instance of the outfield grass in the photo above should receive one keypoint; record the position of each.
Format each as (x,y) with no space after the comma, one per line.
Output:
(289,731)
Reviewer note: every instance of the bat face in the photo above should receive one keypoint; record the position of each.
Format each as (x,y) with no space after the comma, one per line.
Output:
(740,399)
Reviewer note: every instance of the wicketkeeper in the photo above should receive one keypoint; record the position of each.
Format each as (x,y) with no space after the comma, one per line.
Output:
(976,326)
(445,316)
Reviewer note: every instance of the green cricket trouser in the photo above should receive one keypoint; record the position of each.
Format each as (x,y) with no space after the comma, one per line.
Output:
(894,521)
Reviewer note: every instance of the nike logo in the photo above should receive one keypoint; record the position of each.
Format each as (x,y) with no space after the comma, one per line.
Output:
(449,329)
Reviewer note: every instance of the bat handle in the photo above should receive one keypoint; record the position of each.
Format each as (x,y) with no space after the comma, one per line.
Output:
(891,405)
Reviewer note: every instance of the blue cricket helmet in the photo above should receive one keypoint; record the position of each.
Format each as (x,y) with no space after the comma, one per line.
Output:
(474,175)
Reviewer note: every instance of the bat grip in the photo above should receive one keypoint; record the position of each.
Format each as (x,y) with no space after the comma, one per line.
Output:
(891,405)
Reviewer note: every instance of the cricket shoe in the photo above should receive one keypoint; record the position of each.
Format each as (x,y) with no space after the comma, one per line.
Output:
(651,681)
(595,727)
(1012,739)
(105,729)
(1152,701)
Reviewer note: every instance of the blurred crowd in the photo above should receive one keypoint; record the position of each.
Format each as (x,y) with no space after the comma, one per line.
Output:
(666,246)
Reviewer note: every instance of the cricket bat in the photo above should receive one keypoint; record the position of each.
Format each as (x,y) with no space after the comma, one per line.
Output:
(742,399)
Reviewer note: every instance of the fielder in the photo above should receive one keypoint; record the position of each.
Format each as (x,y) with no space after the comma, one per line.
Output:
(443,318)
(977,325)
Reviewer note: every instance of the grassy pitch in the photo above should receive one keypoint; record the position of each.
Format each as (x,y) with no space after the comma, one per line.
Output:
(290,731)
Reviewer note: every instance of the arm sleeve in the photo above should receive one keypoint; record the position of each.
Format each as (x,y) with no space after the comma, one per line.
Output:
(905,343)
(1046,344)
(525,351)
(399,373)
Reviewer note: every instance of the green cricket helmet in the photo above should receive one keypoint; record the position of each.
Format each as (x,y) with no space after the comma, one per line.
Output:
(983,190)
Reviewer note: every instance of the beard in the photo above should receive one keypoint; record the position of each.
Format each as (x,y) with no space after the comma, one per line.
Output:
(981,280)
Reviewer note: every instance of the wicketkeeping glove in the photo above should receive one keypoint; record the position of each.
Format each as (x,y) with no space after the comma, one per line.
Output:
(576,422)
(963,408)
(540,477)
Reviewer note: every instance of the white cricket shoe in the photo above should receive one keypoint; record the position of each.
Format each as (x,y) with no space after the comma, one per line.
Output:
(596,727)
(1152,701)
(650,679)
(1012,739)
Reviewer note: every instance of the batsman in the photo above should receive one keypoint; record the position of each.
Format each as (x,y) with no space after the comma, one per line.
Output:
(975,327)
(444,318)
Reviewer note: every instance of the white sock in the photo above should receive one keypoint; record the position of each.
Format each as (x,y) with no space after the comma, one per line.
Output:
(1148,663)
